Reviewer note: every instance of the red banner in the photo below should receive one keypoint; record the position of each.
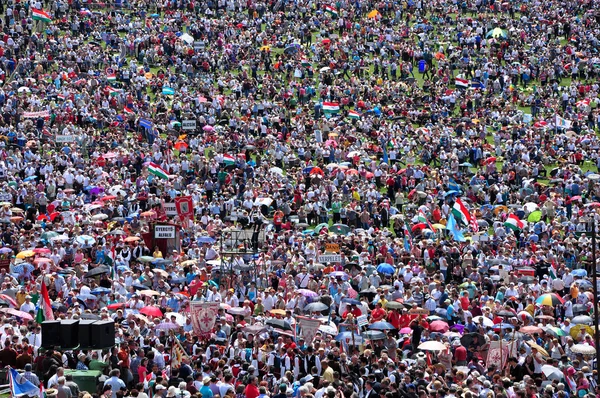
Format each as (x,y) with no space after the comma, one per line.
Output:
(185,207)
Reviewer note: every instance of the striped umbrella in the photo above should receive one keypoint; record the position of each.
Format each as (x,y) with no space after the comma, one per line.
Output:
(550,299)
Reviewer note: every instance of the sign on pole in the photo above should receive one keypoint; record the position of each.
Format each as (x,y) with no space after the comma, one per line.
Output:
(164,231)
(188,124)
(64,138)
(170,209)
(330,258)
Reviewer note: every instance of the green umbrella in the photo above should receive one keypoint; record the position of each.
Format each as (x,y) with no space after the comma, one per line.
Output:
(48,235)
(466,284)
(497,33)
(340,229)
(535,216)
(319,227)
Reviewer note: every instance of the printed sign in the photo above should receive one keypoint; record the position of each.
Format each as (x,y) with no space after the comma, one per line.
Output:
(330,258)
(188,125)
(64,138)
(332,247)
(362,321)
(164,232)
(170,209)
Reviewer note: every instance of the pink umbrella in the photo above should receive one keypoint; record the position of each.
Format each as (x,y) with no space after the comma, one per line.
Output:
(151,311)
(9,300)
(17,313)
(439,326)
(406,331)
(307,293)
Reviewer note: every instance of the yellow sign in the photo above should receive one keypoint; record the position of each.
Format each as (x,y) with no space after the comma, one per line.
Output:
(332,247)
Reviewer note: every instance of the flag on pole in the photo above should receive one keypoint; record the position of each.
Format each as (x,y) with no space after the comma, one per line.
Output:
(461,83)
(44,311)
(474,225)
(407,237)
(452,227)
(111,77)
(514,223)
(228,160)
(20,386)
(177,354)
(353,115)
(562,122)
(128,111)
(460,212)
(331,107)
(423,218)
(330,10)
(158,171)
(40,15)
(552,270)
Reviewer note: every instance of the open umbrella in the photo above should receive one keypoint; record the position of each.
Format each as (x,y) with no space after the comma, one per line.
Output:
(307,293)
(316,307)
(381,325)
(18,313)
(385,268)
(530,329)
(472,340)
(100,270)
(540,349)
(25,254)
(373,335)
(432,345)
(340,229)
(279,324)
(582,320)
(584,349)
(482,320)
(552,373)
(555,331)
(394,305)
(497,33)
(152,311)
(347,336)
(439,326)
(549,299)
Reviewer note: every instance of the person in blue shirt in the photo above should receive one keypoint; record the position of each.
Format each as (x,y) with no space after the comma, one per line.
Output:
(450,312)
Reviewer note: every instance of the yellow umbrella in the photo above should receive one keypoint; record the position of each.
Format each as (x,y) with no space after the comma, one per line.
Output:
(537,347)
(277,312)
(148,293)
(499,209)
(373,14)
(577,329)
(265,48)
(439,226)
(188,262)
(25,254)
(148,75)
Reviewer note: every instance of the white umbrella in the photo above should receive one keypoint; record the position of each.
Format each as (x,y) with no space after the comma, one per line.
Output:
(187,38)
(263,202)
(483,321)
(276,170)
(584,349)
(100,216)
(551,372)
(179,318)
(23,89)
(531,206)
(432,345)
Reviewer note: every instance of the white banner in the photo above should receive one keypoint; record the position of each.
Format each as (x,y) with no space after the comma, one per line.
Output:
(203,317)
(64,138)
(309,327)
(330,258)
(35,115)
(188,124)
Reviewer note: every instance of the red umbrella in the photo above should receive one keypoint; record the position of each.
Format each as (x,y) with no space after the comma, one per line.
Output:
(530,329)
(108,197)
(401,171)
(418,226)
(42,250)
(21,314)
(151,311)
(317,170)
(352,172)
(577,197)
(41,260)
(439,326)
(115,306)
(369,175)
(491,159)
(54,215)
(43,217)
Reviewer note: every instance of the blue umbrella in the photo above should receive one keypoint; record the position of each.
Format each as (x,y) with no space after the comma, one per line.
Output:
(162,261)
(579,272)
(453,192)
(100,290)
(351,301)
(84,297)
(381,325)
(504,326)
(373,335)
(307,170)
(23,268)
(291,49)
(30,178)
(205,239)
(347,336)
(385,268)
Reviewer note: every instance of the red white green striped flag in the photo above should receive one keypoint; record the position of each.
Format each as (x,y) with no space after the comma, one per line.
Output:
(111,77)
(423,218)
(514,223)
(460,212)
(228,159)
(114,91)
(353,114)
(128,111)
(44,311)
(331,10)
(331,107)
(158,171)
(40,15)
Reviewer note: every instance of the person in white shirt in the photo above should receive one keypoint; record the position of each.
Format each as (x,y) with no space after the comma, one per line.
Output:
(27,305)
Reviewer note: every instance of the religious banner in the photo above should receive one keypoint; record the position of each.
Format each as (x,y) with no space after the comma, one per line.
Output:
(177,354)
(203,317)
(35,115)
(185,207)
(500,351)
(309,327)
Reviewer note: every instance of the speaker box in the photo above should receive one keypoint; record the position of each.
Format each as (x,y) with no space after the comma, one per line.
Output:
(86,337)
(69,333)
(50,334)
(103,334)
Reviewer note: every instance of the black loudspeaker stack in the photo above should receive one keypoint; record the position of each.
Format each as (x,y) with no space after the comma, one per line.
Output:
(84,334)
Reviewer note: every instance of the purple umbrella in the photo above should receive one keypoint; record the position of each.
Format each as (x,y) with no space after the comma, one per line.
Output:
(5,250)
(307,293)
(96,190)
(166,326)
(340,274)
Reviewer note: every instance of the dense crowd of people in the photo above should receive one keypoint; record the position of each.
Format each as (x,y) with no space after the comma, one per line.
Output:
(384,198)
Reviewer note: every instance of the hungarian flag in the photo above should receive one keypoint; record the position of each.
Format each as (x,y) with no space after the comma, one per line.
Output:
(514,223)
(407,238)
(128,111)
(462,83)
(44,311)
(423,218)
(158,171)
(331,107)
(228,160)
(460,212)
(113,91)
(552,270)
(111,77)
(40,15)
(331,10)
(353,114)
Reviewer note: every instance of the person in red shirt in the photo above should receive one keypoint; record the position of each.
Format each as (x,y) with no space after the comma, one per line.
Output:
(460,356)
(464,301)
(378,313)
(352,309)
(251,390)
(394,318)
